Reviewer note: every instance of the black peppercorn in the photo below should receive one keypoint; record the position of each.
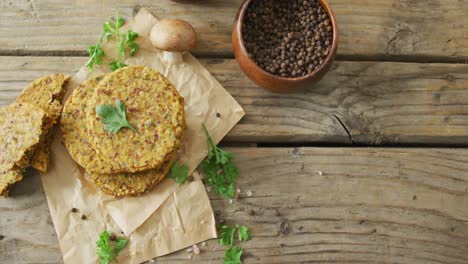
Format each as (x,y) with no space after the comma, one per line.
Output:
(287,38)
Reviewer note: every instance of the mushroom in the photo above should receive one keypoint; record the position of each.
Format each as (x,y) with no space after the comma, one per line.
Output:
(174,37)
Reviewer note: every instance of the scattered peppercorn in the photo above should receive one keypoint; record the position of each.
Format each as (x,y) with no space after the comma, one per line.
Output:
(218,115)
(190,178)
(113,237)
(74,210)
(287,38)
(83,217)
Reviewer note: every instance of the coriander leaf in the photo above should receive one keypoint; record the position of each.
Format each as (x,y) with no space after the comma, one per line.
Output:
(104,250)
(228,190)
(119,21)
(108,29)
(233,255)
(130,36)
(179,173)
(243,233)
(121,49)
(226,234)
(108,251)
(130,42)
(114,118)
(95,55)
(120,243)
(231,172)
(123,41)
(115,65)
(219,170)
(133,48)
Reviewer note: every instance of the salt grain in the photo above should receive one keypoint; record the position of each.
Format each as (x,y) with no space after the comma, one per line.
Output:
(238,190)
(189,256)
(230,201)
(320,173)
(208,188)
(189,250)
(203,244)
(249,193)
(196,250)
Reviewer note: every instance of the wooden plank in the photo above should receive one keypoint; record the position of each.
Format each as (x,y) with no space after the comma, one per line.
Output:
(421,29)
(377,102)
(314,205)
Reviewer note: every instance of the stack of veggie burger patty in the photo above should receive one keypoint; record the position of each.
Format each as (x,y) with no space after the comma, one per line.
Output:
(125,161)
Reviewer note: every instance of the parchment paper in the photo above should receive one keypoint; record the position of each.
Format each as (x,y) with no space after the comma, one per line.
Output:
(170,217)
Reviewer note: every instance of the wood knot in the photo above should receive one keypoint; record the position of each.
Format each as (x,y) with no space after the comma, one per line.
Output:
(284,228)
(450,78)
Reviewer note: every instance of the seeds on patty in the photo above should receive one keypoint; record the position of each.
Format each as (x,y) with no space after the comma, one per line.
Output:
(154,108)
(45,93)
(131,184)
(21,129)
(74,130)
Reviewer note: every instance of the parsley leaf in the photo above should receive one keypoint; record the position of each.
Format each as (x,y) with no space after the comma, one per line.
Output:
(130,42)
(219,170)
(243,233)
(114,65)
(179,173)
(108,251)
(233,255)
(95,55)
(124,41)
(226,234)
(114,118)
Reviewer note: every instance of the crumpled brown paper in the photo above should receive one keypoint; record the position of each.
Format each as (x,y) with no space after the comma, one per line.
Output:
(170,217)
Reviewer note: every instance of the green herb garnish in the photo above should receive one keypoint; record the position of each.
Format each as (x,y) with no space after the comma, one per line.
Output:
(226,238)
(233,255)
(226,234)
(114,118)
(219,170)
(123,41)
(108,250)
(95,55)
(243,233)
(179,173)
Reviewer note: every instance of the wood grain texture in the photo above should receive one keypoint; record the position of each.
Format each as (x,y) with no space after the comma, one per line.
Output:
(314,205)
(377,102)
(420,29)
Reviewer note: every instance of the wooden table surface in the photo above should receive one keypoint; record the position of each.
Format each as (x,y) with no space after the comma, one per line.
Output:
(369,166)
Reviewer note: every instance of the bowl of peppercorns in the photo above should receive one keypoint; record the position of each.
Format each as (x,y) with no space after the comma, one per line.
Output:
(285,46)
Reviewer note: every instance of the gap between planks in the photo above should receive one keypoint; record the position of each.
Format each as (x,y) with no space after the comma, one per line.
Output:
(227,55)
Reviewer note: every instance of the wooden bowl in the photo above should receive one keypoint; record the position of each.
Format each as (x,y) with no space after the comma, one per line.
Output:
(272,82)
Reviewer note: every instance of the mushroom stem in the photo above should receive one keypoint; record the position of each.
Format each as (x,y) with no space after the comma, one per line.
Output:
(173,57)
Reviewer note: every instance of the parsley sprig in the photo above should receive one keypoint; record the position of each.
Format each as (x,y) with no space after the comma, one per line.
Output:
(124,41)
(179,173)
(219,169)
(114,118)
(108,250)
(233,255)
(227,233)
